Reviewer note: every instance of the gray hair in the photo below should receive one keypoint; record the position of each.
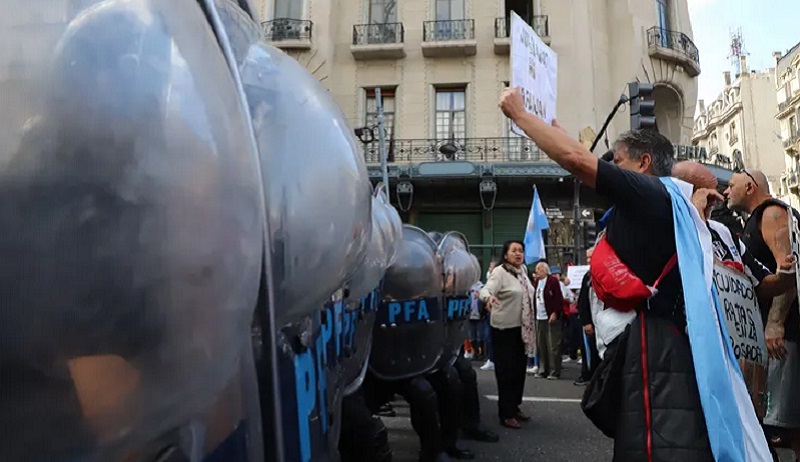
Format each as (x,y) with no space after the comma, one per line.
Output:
(641,142)
(544,265)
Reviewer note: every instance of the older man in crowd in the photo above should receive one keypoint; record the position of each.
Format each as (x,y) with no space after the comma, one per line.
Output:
(766,234)
(641,231)
(549,303)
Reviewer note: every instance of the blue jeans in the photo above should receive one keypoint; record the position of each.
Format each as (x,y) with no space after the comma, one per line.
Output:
(487,339)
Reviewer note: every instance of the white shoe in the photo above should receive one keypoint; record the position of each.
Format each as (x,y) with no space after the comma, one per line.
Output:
(532,370)
(468,355)
(579,361)
(489,366)
(566,359)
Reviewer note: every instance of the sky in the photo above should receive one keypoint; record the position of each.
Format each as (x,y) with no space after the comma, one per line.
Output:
(767,26)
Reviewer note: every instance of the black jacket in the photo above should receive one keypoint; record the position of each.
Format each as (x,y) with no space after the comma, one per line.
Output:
(584,305)
(661,409)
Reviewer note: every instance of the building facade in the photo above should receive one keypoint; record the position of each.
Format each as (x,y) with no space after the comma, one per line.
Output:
(441,66)
(787,89)
(739,126)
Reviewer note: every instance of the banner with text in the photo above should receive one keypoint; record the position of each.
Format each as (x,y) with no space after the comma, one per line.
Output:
(575,275)
(534,69)
(745,330)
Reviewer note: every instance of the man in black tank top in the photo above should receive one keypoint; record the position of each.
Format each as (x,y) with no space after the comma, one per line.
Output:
(766,235)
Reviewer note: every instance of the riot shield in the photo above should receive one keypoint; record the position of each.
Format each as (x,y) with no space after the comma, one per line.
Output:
(409,329)
(461,271)
(365,291)
(132,234)
(318,207)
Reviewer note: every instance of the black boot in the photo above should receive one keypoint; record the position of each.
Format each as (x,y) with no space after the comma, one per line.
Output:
(460,453)
(481,434)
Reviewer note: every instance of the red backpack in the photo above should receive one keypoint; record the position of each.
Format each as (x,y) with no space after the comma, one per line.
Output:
(615,284)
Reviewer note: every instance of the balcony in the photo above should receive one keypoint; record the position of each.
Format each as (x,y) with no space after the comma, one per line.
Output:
(792,143)
(786,106)
(511,149)
(378,41)
(502,33)
(449,38)
(674,46)
(792,179)
(288,34)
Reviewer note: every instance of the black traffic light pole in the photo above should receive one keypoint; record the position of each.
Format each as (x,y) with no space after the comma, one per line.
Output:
(642,116)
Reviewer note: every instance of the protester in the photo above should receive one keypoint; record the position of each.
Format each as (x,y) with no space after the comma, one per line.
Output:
(487,337)
(549,309)
(641,231)
(591,358)
(766,235)
(508,295)
(475,342)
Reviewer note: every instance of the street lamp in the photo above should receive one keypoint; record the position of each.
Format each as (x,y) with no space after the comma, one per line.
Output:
(488,191)
(405,195)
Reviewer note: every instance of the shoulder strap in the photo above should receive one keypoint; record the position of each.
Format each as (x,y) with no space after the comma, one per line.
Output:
(670,264)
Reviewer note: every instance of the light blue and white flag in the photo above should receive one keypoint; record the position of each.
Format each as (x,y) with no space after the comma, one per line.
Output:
(733,429)
(537,222)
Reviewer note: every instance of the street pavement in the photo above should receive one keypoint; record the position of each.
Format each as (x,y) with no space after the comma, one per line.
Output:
(558,429)
(557,432)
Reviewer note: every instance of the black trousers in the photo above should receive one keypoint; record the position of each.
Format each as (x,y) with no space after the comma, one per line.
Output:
(471,406)
(509,369)
(590,356)
(448,389)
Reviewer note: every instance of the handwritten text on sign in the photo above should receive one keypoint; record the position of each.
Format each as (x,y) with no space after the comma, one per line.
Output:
(534,69)
(742,316)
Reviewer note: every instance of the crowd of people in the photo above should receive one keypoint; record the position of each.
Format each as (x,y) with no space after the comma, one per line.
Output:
(665,377)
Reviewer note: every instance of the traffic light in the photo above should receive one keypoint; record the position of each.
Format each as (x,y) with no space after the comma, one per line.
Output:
(589,233)
(643,108)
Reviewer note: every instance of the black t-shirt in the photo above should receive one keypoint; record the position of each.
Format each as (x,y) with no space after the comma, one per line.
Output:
(641,231)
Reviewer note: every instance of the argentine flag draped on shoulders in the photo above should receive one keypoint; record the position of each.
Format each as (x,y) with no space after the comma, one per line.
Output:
(733,428)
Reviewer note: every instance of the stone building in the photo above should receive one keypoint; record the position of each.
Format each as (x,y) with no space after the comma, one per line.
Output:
(787,114)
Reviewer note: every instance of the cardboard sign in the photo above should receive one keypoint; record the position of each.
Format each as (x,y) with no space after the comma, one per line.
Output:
(575,275)
(534,68)
(742,317)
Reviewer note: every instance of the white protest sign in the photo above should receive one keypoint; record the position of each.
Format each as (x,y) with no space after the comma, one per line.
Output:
(534,68)
(742,316)
(575,275)
(745,330)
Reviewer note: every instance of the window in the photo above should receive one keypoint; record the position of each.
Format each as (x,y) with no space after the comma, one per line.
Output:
(371,112)
(451,115)
(450,10)
(382,11)
(288,9)
(792,126)
(663,14)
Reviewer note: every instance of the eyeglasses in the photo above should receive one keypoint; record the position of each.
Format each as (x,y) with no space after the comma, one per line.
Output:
(741,170)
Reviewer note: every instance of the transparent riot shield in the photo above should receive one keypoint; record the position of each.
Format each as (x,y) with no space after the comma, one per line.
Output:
(319,213)
(461,271)
(409,330)
(132,235)
(365,289)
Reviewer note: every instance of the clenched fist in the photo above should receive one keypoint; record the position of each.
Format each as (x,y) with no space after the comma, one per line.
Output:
(511,103)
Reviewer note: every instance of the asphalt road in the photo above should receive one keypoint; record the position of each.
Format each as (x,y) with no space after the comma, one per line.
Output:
(558,430)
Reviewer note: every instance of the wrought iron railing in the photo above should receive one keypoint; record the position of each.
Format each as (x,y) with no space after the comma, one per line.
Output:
(287,29)
(787,143)
(471,149)
(792,179)
(540,24)
(510,149)
(378,34)
(674,40)
(441,31)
